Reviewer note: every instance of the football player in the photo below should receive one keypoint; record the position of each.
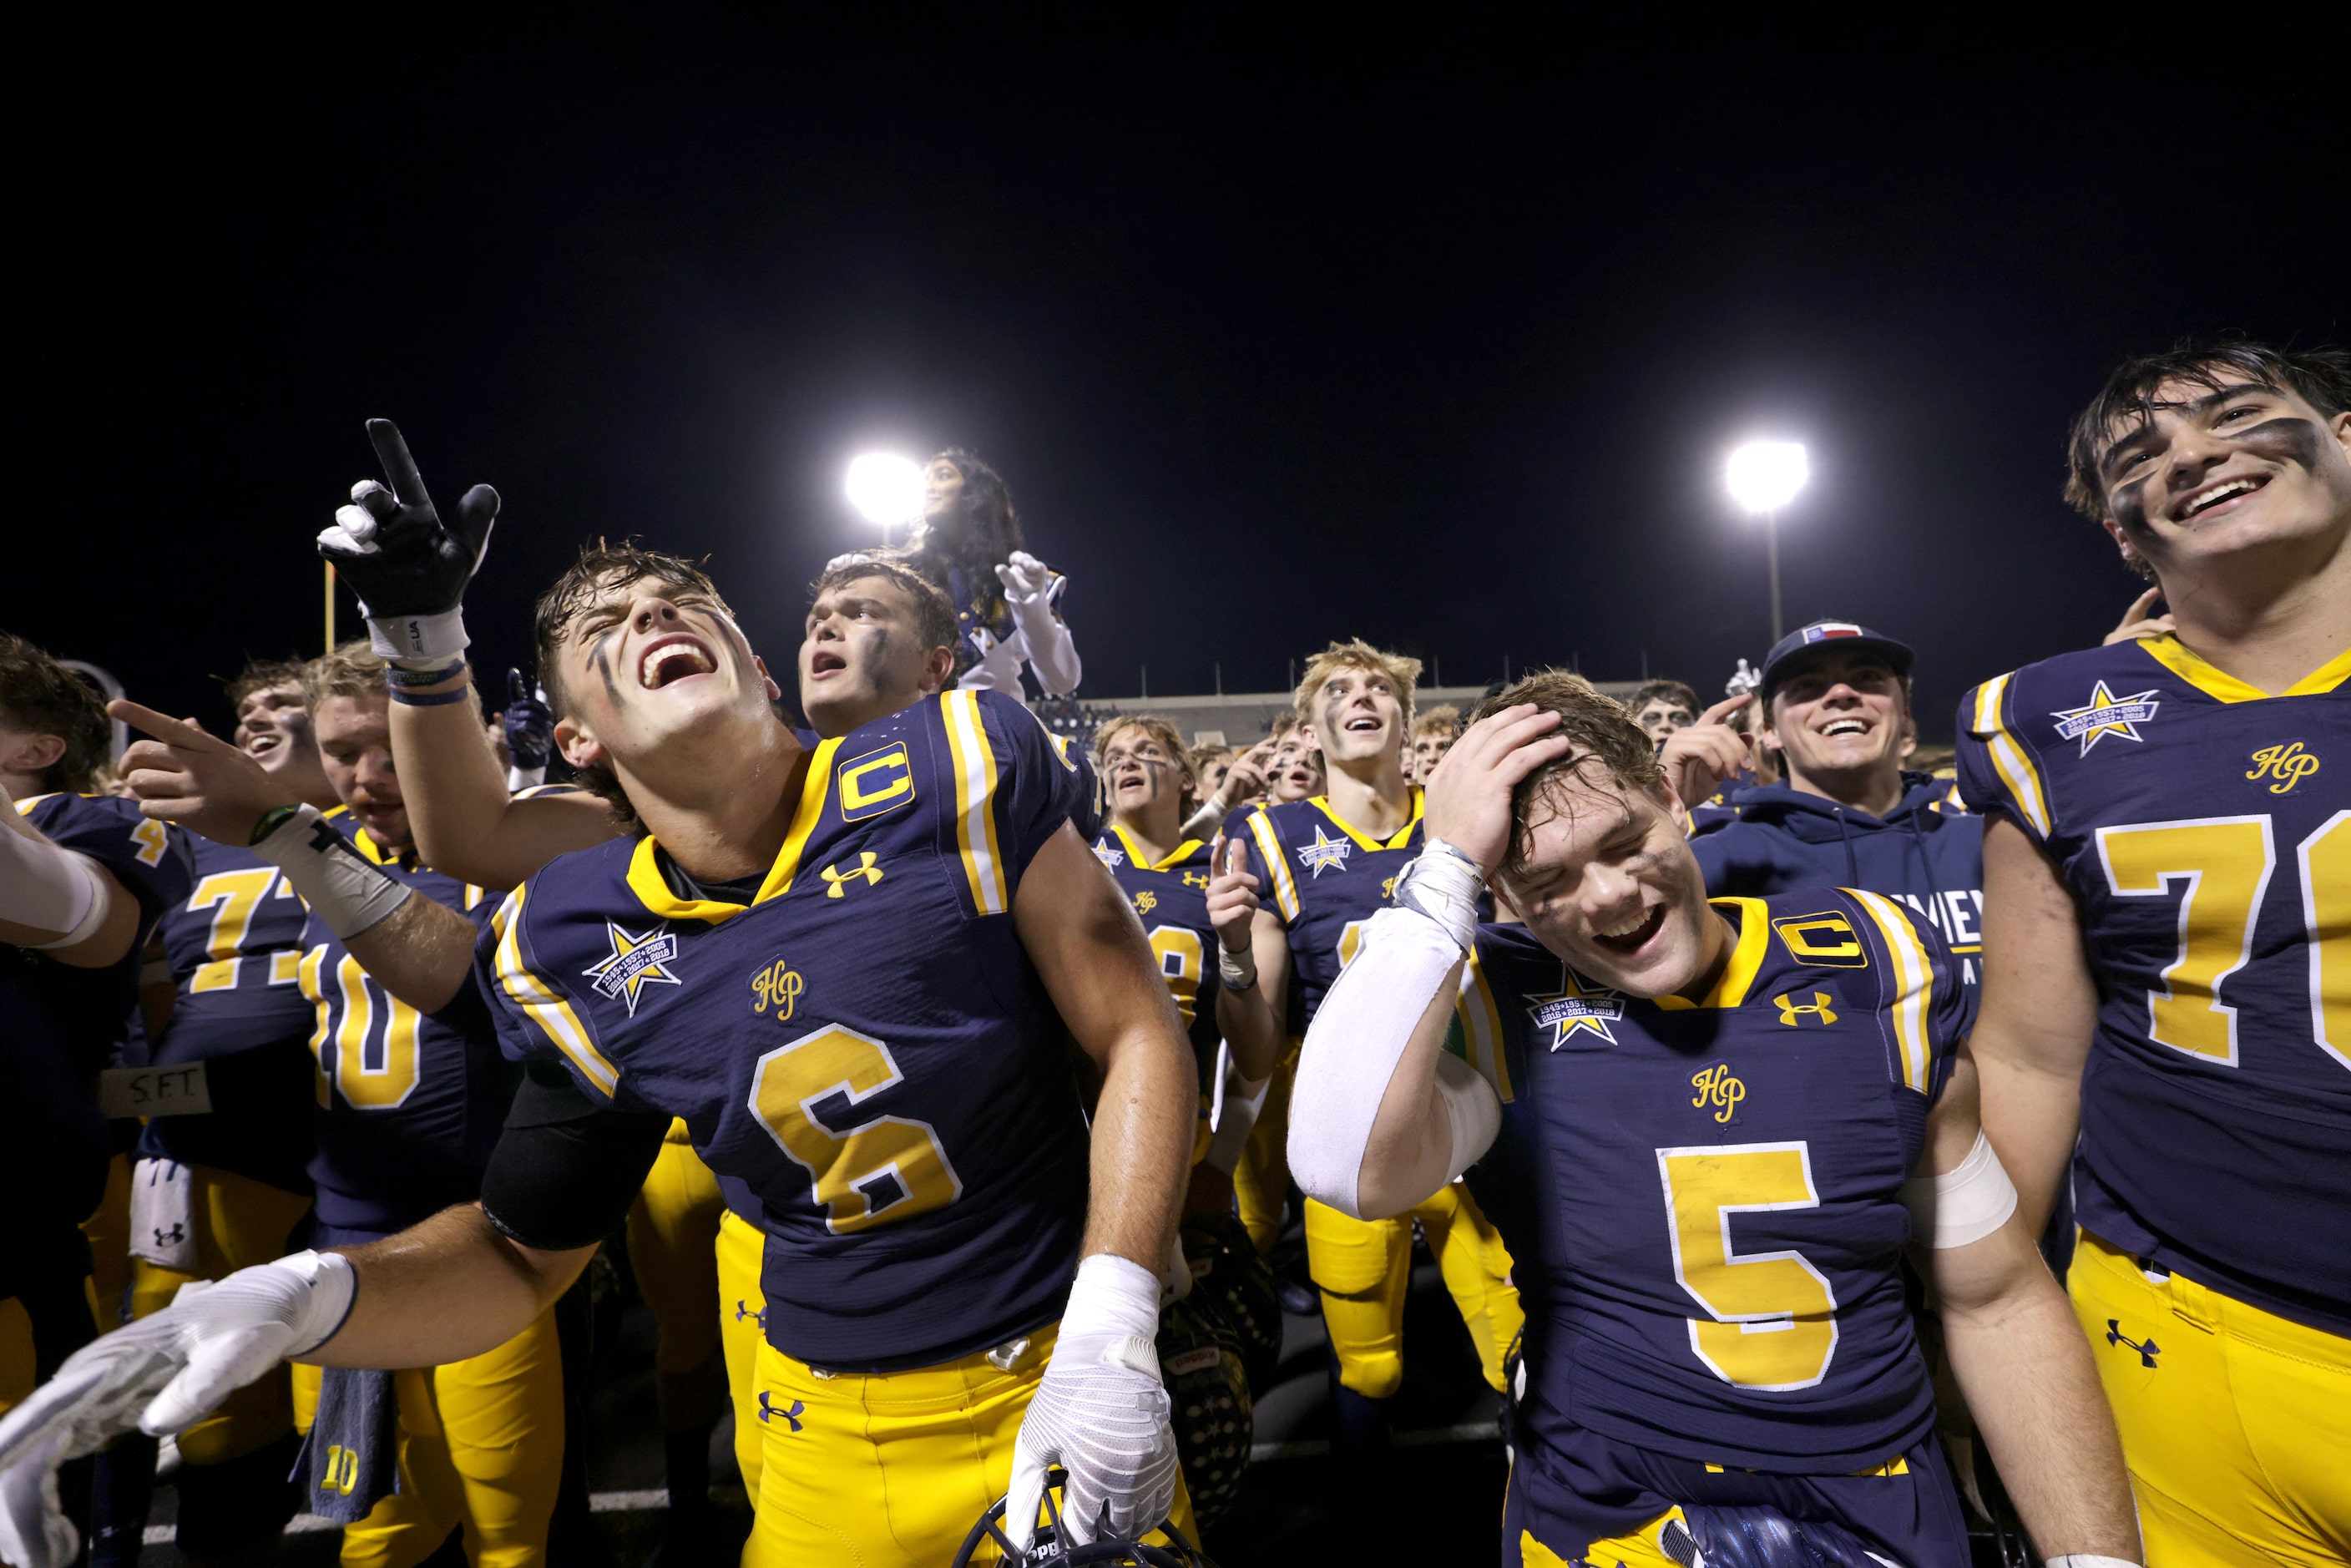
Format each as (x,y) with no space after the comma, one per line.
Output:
(1700,1126)
(1661,707)
(1294,769)
(854,970)
(1835,704)
(1432,737)
(215,1192)
(2167,1002)
(83,879)
(1289,900)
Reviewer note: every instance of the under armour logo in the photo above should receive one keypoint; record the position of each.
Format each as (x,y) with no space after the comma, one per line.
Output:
(171,1235)
(743,1310)
(2147,1352)
(1789,1011)
(1199,878)
(788,1414)
(839,879)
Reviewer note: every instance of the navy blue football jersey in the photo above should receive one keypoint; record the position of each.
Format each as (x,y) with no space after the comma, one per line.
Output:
(411,1104)
(234,949)
(1323,877)
(1703,1200)
(1170,896)
(2205,838)
(59,1025)
(864,1044)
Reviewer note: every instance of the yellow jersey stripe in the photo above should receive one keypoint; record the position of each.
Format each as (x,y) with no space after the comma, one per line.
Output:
(1481,1026)
(1746,959)
(653,890)
(1269,850)
(2214,682)
(1142,862)
(542,1004)
(2010,759)
(975,781)
(1394,841)
(1914,1007)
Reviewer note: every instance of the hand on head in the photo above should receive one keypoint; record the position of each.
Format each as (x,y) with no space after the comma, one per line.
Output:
(1468,802)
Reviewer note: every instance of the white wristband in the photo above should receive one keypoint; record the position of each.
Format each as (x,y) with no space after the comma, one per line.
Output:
(1237,970)
(350,895)
(437,636)
(1963,1205)
(333,1285)
(1444,883)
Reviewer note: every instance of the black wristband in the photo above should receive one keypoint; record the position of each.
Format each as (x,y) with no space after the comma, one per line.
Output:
(396,677)
(431,699)
(271,821)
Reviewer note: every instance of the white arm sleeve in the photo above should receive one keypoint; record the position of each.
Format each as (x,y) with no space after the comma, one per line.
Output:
(1052,655)
(1352,1051)
(1963,1205)
(50,889)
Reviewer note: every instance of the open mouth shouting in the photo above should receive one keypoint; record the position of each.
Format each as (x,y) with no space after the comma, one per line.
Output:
(2221,496)
(1631,937)
(676,657)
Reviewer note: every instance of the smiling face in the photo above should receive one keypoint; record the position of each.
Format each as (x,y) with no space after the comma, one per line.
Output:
(1843,713)
(863,655)
(1606,880)
(650,662)
(1355,713)
(273,727)
(942,490)
(355,747)
(2216,470)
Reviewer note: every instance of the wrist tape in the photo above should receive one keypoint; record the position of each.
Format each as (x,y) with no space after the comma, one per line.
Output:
(1237,970)
(436,636)
(334,879)
(1444,883)
(1963,1205)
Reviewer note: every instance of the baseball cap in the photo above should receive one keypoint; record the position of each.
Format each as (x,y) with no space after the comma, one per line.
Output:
(1793,649)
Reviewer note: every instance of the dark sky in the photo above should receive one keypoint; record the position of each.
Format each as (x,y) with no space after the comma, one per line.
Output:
(1437,338)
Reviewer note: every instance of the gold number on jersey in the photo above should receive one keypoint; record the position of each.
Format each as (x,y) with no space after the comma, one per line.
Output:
(370,1051)
(152,840)
(1773,1323)
(2217,868)
(2325,858)
(232,896)
(1350,939)
(876,1171)
(1177,949)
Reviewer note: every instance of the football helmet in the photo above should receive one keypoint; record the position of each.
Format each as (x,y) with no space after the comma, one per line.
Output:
(1051,1549)
(1209,1396)
(1229,1270)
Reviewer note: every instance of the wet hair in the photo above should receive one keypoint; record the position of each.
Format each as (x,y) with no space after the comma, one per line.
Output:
(262,675)
(1670,691)
(2320,377)
(1444,719)
(935,612)
(602,567)
(41,696)
(350,669)
(1608,746)
(1401,671)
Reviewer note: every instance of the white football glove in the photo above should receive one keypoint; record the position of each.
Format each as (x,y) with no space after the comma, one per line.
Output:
(1099,1413)
(160,1374)
(1023,576)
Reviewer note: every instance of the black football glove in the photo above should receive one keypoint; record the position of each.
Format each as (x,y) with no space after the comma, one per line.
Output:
(409,569)
(530,725)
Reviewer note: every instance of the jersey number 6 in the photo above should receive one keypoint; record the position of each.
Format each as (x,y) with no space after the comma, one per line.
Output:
(1773,1323)
(867,1170)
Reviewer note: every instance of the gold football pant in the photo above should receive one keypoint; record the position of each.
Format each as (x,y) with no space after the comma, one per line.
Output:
(238,1222)
(673,1234)
(889,1470)
(2235,1423)
(1365,1268)
(481,1446)
(1261,1179)
(742,1331)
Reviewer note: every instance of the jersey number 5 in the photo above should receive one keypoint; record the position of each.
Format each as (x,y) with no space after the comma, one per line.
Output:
(868,1169)
(2220,868)
(1773,1322)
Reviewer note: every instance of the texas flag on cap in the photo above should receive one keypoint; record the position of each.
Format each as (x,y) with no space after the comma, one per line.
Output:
(1822,631)
(1797,646)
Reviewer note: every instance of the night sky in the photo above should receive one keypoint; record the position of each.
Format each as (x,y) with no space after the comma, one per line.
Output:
(1437,338)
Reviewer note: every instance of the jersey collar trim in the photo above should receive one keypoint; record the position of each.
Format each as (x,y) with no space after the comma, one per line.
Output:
(644,872)
(2217,683)
(1135,857)
(405,860)
(1397,840)
(1746,959)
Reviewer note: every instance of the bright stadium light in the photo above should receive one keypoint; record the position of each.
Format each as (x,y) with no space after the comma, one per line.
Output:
(887,488)
(1764,476)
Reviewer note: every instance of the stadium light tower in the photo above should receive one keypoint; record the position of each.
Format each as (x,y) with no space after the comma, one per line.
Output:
(887,488)
(1764,476)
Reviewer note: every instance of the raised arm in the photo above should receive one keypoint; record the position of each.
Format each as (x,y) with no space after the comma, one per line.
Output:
(1253,951)
(2034,1024)
(2016,1348)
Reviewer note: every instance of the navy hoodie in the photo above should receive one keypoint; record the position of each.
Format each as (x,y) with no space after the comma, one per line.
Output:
(1926,852)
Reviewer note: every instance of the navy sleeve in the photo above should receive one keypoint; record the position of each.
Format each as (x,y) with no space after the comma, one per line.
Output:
(153,861)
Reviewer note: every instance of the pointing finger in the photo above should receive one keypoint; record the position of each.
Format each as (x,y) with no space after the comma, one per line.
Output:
(1721,712)
(398,466)
(164,727)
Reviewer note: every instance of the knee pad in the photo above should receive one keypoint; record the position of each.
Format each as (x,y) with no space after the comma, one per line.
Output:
(240,1503)
(1374,1374)
(1353,1257)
